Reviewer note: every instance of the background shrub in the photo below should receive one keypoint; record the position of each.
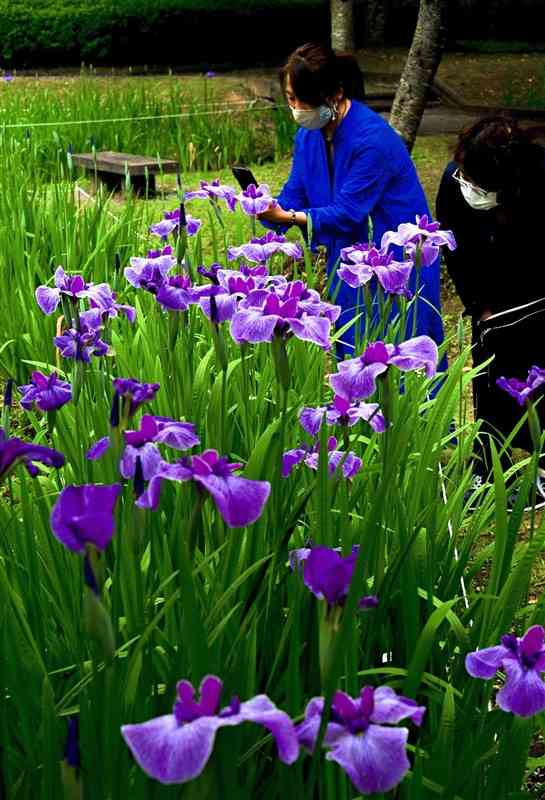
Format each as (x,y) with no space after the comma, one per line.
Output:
(199,33)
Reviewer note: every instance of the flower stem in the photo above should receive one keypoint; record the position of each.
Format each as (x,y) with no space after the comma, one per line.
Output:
(281,363)
(329,623)
(417,263)
(193,524)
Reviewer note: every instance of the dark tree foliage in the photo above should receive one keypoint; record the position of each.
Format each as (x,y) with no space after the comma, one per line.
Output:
(168,32)
(195,33)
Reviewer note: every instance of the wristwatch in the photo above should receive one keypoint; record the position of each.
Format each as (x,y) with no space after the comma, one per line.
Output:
(291,212)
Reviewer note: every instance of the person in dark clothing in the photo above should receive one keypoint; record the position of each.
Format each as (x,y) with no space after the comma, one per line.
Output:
(491,198)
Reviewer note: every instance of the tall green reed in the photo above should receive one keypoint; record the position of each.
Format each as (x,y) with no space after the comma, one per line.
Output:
(202,123)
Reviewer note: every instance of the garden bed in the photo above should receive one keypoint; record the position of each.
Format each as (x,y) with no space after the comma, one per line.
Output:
(190,516)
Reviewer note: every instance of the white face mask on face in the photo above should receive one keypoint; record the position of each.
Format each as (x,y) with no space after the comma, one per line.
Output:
(312,118)
(480,201)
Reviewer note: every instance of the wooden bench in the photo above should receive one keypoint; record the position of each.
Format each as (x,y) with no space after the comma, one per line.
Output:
(112,168)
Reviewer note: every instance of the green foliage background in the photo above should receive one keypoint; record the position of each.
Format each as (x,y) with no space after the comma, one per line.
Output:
(68,31)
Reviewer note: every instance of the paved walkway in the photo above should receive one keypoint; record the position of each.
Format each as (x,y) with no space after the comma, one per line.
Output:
(442,119)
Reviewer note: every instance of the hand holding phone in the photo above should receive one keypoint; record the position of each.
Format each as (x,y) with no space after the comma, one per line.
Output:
(244,176)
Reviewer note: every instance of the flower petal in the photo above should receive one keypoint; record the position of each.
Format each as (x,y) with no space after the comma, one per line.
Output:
(418,353)
(312,329)
(307,731)
(85,514)
(355,275)
(150,459)
(485,663)
(297,557)
(169,752)
(391,708)
(291,458)
(180,435)
(370,413)
(252,326)
(264,712)
(358,381)
(523,692)
(328,574)
(351,465)
(532,641)
(97,450)
(240,501)
(376,760)
(311,419)
(226,306)
(47,299)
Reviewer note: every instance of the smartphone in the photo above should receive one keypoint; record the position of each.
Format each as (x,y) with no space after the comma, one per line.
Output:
(244,176)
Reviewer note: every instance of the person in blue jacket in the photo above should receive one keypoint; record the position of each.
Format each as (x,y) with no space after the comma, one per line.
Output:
(349,168)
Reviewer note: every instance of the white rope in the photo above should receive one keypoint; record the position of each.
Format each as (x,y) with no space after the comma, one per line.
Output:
(90,197)
(132,119)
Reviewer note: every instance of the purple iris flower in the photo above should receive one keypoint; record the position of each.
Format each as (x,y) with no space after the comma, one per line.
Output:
(213,191)
(219,305)
(328,575)
(231,286)
(356,377)
(81,345)
(240,501)
(73,286)
(142,444)
(175,748)
(361,737)
(523,661)
(210,272)
(102,298)
(165,251)
(362,262)
(150,273)
(261,249)
(522,391)
(48,392)
(14,451)
(171,223)
(8,77)
(135,393)
(256,199)
(255,272)
(284,310)
(210,74)
(310,455)
(85,515)
(341,412)
(424,236)
(177,293)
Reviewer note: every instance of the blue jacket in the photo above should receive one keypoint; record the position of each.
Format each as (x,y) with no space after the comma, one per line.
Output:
(373,178)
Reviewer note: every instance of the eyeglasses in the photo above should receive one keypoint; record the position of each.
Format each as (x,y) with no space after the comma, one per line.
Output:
(459,178)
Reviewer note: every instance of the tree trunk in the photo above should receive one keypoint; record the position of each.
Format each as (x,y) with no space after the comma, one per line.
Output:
(342,25)
(419,71)
(376,22)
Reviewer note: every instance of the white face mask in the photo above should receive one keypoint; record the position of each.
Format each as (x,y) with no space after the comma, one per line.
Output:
(479,200)
(312,118)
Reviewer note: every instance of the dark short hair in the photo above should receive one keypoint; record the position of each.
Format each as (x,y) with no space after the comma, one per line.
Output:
(317,73)
(498,155)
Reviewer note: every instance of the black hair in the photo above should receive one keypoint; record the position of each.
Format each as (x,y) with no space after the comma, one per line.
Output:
(499,156)
(317,73)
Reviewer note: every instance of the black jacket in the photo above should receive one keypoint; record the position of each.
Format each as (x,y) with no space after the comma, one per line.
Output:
(499,261)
